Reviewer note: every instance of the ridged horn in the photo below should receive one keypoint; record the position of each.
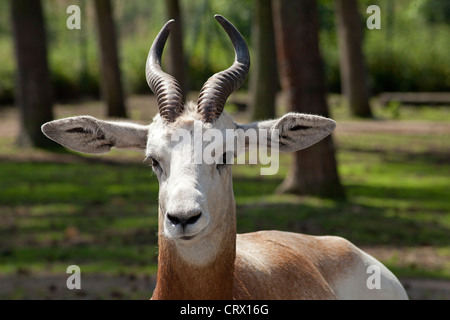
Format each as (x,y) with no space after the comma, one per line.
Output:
(166,88)
(220,86)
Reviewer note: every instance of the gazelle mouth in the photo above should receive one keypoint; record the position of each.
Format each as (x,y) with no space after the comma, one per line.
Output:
(187,237)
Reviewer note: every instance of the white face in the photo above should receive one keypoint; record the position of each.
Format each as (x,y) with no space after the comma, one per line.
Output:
(194,198)
(196,201)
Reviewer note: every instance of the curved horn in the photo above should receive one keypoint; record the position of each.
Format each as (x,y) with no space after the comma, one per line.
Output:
(164,86)
(218,88)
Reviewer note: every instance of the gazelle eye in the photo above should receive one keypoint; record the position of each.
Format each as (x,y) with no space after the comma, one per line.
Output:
(224,158)
(155,163)
(225,161)
(152,162)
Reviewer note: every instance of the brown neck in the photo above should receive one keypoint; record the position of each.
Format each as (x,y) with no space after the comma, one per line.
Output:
(178,279)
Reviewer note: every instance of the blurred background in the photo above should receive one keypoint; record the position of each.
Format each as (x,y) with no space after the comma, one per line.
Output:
(381,181)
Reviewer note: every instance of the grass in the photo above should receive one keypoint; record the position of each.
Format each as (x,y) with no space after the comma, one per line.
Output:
(391,201)
(101,213)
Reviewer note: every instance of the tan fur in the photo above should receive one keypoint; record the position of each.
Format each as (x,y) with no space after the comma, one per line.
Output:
(268,265)
(177,280)
(293,266)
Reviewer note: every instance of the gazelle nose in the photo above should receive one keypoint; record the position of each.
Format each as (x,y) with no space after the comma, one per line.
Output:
(182,219)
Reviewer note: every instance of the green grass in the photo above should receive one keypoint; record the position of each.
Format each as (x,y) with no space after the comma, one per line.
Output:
(391,201)
(113,208)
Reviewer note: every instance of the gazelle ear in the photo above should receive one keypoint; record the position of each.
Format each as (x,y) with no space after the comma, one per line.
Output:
(90,135)
(296,131)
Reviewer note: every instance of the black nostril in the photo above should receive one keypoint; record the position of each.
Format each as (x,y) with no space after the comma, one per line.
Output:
(183,221)
(194,219)
(173,220)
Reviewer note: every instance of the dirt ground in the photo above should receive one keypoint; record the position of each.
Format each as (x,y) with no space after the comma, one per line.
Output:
(417,289)
(141,288)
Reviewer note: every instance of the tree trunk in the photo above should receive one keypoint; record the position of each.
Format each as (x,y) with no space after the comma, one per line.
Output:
(34,91)
(352,66)
(112,90)
(176,65)
(313,170)
(264,76)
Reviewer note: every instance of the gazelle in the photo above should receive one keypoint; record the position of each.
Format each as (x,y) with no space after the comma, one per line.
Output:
(200,254)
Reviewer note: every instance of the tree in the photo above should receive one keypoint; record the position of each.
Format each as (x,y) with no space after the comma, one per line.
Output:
(313,170)
(264,76)
(352,66)
(176,65)
(111,81)
(34,91)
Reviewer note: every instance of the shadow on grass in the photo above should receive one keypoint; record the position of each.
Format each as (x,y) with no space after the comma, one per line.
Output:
(370,216)
(94,213)
(87,183)
(362,225)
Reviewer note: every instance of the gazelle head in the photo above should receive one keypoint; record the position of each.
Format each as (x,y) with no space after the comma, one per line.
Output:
(196,201)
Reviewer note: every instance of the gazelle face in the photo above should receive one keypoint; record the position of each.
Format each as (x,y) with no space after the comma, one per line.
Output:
(194,196)
(196,202)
